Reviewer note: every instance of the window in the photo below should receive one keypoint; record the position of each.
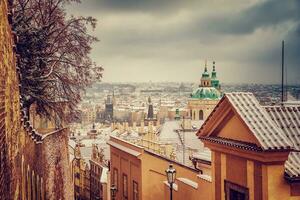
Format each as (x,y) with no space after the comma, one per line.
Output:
(125,187)
(235,192)
(115,177)
(135,191)
(200,114)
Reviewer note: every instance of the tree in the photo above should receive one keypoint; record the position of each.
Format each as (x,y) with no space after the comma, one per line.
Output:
(53,55)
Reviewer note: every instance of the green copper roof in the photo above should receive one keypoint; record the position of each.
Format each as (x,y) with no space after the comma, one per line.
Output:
(214,73)
(215,83)
(205,74)
(210,93)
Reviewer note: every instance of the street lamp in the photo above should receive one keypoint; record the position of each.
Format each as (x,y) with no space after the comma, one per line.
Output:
(113,191)
(171,175)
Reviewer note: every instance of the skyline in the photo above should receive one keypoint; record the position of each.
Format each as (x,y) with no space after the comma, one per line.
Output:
(160,41)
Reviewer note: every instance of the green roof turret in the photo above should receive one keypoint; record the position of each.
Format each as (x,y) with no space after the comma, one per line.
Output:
(205,74)
(214,73)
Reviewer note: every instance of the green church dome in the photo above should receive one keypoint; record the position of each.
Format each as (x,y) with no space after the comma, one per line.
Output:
(209,93)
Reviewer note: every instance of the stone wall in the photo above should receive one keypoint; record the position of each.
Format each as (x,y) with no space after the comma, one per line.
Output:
(9,107)
(46,163)
(32,165)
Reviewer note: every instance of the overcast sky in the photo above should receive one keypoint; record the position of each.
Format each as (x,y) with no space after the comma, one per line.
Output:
(169,40)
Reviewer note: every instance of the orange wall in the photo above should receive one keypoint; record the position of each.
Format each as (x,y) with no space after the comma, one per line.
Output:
(125,164)
(278,188)
(237,130)
(149,171)
(153,173)
(264,181)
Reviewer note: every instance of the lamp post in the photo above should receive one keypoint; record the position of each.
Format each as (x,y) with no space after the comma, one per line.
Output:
(171,175)
(113,191)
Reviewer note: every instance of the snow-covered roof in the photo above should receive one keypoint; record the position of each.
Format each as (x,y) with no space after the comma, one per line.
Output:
(168,129)
(189,182)
(288,119)
(203,155)
(88,142)
(292,165)
(275,127)
(86,153)
(269,135)
(72,144)
(103,178)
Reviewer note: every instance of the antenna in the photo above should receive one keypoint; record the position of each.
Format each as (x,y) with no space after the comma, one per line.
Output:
(282,72)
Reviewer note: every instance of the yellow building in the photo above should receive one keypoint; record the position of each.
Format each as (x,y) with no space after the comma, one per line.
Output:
(81,176)
(254,149)
(254,156)
(98,174)
(205,97)
(139,174)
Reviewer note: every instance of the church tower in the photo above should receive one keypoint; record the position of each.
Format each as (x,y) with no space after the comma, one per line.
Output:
(150,114)
(205,79)
(214,80)
(206,96)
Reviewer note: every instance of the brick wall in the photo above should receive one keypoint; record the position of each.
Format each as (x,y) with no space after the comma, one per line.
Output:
(9,106)
(32,166)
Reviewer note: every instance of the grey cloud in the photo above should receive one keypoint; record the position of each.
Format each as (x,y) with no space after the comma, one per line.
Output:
(243,37)
(268,13)
(152,6)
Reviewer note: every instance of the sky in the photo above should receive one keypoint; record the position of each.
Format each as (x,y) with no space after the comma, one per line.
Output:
(169,40)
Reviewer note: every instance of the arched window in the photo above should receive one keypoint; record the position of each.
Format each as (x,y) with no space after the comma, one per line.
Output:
(200,114)
(33,184)
(42,190)
(37,188)
(28,183)
(191,113)
(23,192)
(194,117)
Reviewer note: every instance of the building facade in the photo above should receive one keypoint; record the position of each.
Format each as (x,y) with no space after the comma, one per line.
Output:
(206,96)
(254,149)
(81,176)
(253,155)
(139,174)
(97,164)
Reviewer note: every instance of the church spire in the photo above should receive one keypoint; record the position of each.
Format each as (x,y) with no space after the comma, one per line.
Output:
(214,73)
(205,74)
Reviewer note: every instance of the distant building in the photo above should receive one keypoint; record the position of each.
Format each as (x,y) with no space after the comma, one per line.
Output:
(150,114)
(88,115)
(109,108)
(206,96)
(98,166)
(150,119)
(139,173)
(81,174)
